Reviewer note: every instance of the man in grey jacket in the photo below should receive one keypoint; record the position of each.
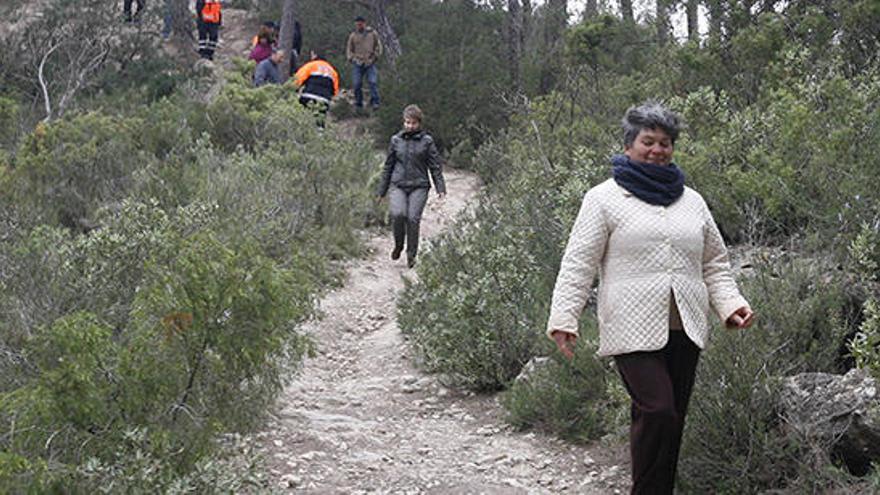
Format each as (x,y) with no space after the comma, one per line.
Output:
(267,70)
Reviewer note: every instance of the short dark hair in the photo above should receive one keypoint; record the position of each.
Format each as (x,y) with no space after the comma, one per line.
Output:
(650,115)
(270,24)
(360,18)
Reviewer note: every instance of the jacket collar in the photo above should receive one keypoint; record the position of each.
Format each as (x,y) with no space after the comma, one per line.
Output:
(413,135)
(621,190)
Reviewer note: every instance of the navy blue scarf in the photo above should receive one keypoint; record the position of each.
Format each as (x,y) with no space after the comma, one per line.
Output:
(654,184)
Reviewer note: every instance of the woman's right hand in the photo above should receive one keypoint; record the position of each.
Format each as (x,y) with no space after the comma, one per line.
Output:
(565,342)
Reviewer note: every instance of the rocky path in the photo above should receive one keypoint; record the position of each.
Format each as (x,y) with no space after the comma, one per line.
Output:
(359,418)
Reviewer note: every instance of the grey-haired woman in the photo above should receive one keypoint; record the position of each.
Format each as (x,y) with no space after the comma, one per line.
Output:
(662,265)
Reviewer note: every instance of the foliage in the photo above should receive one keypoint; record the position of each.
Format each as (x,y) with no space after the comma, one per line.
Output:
(454,70)
(475,325)
(576,399)
(865,252)
(734,442)
(176,283)
(56,165)
(766,174)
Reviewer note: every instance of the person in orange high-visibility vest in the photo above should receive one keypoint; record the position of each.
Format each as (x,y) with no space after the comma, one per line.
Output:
(319,82)
(208,19)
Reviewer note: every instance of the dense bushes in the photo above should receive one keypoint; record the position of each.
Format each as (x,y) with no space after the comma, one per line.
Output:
(783,157)
(735,442)
(474,322)
(168,314)
(454,70)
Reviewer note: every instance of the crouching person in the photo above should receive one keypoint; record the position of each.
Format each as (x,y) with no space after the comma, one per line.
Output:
(320,83)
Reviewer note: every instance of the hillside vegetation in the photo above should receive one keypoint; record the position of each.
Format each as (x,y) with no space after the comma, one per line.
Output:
(165,229)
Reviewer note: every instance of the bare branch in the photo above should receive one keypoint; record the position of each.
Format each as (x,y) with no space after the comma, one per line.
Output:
(43,84)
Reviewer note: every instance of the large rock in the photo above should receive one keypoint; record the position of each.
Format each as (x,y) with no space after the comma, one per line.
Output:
(836,414)
(532,369)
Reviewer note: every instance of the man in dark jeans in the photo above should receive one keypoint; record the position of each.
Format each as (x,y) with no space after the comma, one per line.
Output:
(363,51)
(126,9)
(412,157)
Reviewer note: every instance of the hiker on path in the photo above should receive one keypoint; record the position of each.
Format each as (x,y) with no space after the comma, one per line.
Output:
(267,70)
(412,156)
(363,50)
(320,84)
(264,44)
(662,266)
(208,20)
(126,10)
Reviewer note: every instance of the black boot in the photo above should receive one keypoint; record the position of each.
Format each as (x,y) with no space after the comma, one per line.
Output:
(410,260)
(396,253)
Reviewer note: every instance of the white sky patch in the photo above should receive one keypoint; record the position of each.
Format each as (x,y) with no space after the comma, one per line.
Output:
(642,9)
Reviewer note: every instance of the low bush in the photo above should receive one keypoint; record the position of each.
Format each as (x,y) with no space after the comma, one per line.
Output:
(472,315)
(56,165)
(209,335)
(734,440)
(579,399)
(177,292)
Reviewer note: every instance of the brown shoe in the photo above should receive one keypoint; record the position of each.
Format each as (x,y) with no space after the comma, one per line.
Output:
(395,255)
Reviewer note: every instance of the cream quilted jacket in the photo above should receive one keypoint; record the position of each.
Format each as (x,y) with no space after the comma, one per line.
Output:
(642,253)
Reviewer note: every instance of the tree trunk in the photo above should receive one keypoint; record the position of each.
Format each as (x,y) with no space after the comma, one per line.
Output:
(768,6)
(390,42)
(288,20)
(527,19)
(693,20)
(181,20)
(555,22)
(716,19)
(515,41)
(663,26)
(626,11)
(591,9)
(380,21)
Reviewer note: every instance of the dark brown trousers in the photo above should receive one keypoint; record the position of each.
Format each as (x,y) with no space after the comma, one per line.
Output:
(659,383)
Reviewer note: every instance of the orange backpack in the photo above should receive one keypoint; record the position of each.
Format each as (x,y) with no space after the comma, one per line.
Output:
(211,12)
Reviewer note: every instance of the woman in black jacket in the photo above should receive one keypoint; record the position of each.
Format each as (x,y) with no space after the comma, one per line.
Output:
(412,156)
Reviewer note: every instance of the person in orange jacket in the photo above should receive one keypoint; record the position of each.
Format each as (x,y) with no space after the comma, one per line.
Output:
(208,20)
(320,83)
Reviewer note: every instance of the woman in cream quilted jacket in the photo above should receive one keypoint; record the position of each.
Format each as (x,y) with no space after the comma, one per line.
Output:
(662,265)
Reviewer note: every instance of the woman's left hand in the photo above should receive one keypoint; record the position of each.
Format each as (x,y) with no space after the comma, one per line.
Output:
(741,318)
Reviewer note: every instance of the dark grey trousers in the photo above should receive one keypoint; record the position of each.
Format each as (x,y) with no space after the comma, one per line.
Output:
(406,206)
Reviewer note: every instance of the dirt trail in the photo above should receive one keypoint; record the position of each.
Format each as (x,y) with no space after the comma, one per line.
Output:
(360,418)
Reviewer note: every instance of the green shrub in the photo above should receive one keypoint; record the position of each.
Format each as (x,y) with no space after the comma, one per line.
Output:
(473,315)
(210,336)
(575,399)
(766,174)
(453,70)
(865,253)
(56,166)
(734,441)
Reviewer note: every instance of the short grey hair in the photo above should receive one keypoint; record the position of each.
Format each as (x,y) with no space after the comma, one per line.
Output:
(650,115)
